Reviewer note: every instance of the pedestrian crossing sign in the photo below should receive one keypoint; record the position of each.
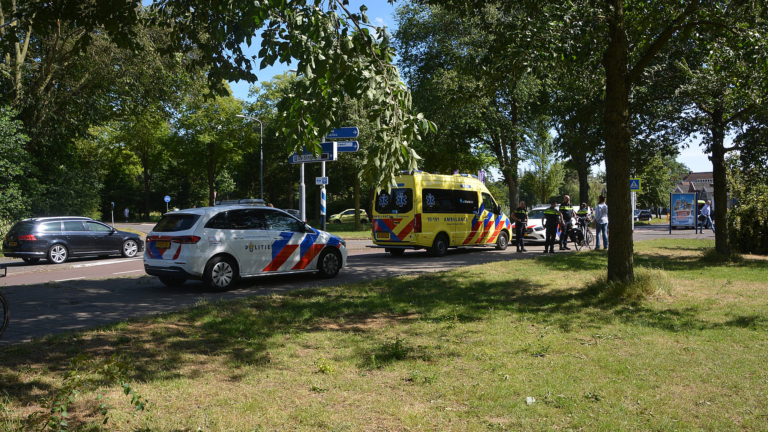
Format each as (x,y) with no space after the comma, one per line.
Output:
(634,185)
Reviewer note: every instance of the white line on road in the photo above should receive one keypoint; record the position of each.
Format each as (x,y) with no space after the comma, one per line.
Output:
(130,271)
(105,263)
(64,280)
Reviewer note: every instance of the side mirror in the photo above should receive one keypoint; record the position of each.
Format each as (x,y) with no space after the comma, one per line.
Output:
(113,230)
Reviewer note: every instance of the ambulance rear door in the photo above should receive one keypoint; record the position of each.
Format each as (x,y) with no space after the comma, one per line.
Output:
(393,221)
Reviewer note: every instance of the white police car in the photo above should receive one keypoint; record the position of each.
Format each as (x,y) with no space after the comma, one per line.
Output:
(221,244)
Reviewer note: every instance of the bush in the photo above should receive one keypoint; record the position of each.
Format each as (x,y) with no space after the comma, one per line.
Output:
(748,221)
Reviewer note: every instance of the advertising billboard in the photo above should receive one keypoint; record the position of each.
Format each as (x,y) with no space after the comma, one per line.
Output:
(683,210)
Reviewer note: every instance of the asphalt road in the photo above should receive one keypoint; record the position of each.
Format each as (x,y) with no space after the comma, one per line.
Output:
(87,292)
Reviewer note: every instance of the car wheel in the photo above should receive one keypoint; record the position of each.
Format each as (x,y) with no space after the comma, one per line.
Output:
(219,274)
(439,246)
(31,260)
(337,221)
(58,254)
(130,249)
(395,252)
(172,281)
(365,221)
(503,241)
(329,263)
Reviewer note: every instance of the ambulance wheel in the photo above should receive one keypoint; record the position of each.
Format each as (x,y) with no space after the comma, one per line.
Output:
(503,241)
(220,274)
(329,263)
(439,246)
(396,252)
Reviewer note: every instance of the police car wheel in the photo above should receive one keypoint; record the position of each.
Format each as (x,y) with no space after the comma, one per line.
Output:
(219,274)
(439,246)
(329,263)
(172,281)
(503,241)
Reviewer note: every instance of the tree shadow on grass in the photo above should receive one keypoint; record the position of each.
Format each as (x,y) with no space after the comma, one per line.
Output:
(245,332)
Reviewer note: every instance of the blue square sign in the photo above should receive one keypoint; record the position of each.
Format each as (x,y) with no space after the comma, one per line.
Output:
(634,185)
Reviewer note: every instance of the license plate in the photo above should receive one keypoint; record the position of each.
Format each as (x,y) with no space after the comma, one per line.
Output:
(13,244)
(382,236)
(163,244)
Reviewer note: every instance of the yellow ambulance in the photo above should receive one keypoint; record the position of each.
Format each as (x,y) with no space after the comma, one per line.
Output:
(435,212)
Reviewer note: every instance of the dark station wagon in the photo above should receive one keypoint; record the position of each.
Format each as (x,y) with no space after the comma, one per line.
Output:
(59,238)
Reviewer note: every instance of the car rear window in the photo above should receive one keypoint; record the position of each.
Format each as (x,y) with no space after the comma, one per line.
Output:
(177,222)
(22,228)
(396,201)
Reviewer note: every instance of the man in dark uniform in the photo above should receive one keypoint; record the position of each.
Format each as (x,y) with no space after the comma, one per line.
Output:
(521,220)
(551,220)
(566,209)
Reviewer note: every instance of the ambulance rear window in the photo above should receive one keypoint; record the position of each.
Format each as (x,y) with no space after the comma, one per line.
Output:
(397,201)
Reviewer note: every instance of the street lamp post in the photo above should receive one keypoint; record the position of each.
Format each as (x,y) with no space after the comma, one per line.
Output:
(261,152)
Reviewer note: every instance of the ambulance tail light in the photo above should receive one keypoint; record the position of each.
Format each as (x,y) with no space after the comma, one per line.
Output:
(186,239)
(417,223)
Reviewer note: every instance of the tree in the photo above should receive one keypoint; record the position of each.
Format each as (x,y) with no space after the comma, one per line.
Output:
(14,168)
(547,175)
(659,179)
(727,82)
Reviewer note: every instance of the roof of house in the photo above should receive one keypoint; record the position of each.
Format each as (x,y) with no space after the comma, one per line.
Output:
(694,176)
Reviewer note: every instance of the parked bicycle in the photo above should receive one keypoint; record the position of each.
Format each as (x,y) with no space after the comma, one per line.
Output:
(581,235)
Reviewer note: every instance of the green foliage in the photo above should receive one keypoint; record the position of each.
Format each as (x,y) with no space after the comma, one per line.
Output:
(748,218)
(324,366)
(659,178)
(84,375)
(14,169)
(547,174)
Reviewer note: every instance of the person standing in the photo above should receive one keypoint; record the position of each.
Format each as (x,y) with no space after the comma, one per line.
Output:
(127,212)
(551,219)
(521,220)
(706,213)
(601,222)
(566,210)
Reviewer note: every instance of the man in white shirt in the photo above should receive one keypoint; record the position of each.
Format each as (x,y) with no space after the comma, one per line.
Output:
(706,212)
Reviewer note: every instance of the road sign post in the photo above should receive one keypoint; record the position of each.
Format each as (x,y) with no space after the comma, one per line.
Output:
(167,199)
(322,198)
(634,187)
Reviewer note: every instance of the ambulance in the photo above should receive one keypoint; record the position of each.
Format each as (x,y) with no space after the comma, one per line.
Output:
(435,212)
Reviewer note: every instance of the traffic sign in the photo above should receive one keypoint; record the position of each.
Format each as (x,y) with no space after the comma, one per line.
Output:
(345,132)
(328,154)
(345,146)
(321,181)
(634,185)
(167,199)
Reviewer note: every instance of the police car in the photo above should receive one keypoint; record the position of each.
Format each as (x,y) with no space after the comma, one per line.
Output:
(220,244)
(535,232)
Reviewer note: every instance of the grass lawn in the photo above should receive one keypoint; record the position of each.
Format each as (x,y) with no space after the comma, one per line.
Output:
(346,230)
(453,351)
(654,221)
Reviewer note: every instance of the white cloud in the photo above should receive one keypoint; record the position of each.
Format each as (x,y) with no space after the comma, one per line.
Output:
(378,22)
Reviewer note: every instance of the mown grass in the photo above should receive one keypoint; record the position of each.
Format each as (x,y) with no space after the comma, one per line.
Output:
(346,231)
(655,221)
(459,350)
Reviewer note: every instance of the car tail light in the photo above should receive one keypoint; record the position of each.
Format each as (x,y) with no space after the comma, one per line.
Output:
(185,239)
(28,237)
(417,223)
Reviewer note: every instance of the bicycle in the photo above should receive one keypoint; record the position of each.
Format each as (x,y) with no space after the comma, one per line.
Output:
(581,235)
(6,308)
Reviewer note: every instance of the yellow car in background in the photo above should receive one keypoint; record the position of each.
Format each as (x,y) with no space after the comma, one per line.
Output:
(348,216)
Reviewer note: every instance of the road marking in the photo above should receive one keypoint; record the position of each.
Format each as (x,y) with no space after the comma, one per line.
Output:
(106,263)
(130,271)
(64,280)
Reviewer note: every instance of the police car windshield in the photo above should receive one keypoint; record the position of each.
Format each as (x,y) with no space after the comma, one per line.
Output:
(535,214)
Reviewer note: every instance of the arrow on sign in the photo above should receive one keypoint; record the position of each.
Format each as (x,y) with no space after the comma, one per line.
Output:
(344,146)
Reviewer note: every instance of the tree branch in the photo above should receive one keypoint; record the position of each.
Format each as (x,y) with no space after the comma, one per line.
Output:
(748,109)
(661,41)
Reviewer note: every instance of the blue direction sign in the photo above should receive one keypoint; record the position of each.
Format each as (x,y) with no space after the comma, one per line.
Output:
(167,199)
(634,185)
(328,154)
(345,146)
(345,132)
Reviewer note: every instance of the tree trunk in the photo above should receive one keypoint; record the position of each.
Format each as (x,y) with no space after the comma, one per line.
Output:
(211,175)
(358,226)
(582,168)
(722,244)
(514,189)
(144,164)
(617,146)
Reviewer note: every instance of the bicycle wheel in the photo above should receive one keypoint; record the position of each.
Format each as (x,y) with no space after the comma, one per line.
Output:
(5,313)
(576,239)
(588,239)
